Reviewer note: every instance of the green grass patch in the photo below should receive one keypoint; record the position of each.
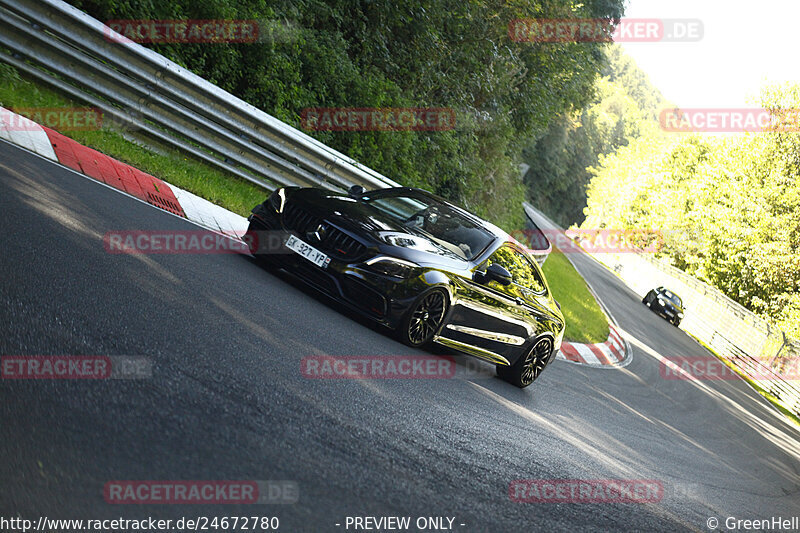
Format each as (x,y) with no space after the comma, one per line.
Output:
(586,322)
(221,188)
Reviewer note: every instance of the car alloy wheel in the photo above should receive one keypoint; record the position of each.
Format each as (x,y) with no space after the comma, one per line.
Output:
(535,361)
(425,318)
(528,367)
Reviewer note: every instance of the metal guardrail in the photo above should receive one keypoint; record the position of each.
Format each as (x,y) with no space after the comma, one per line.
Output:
(80,56)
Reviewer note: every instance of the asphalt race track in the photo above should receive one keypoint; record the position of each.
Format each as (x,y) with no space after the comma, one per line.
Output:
(227,400)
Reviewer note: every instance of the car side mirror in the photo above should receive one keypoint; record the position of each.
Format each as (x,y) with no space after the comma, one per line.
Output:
(356,191)
(497,273)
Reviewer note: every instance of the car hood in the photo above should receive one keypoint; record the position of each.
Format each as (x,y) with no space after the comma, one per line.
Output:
(342,209)
(669,304)
(372,227)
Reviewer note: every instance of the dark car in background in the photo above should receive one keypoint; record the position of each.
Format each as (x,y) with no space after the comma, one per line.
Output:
(666,303)
(411,261)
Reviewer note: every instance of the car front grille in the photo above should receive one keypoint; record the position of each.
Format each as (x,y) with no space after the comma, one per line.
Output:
(334,241)
(316,277)
(298,220)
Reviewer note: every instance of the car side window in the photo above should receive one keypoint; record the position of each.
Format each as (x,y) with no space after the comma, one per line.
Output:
(531,279)
(523,273)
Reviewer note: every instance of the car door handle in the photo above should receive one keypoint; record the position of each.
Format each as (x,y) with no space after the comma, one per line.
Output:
(519,301)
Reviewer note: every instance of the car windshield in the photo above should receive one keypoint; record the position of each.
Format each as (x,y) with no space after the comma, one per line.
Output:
(439,222)
(674,297)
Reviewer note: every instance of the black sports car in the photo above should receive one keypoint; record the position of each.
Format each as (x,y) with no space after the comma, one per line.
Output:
(666,303)
(419,265)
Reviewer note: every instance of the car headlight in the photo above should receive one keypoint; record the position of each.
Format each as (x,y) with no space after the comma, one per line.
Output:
(680,315)
(278,199)
(391,266)
(404,240)
(399,239)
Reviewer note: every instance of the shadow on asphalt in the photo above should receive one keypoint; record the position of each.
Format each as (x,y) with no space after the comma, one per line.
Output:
(468,368)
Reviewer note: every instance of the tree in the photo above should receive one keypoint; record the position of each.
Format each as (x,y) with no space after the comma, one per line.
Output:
(728,207)
(625,107)
(402,53)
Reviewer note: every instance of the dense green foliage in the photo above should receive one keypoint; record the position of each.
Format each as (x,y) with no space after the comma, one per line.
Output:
(729,207)
(402,53)
(625,107)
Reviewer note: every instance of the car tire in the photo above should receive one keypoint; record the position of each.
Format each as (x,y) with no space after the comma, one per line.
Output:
(676,323)
(528,367)
(424,318)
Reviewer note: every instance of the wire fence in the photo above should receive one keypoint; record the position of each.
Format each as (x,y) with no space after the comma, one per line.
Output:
(758,349)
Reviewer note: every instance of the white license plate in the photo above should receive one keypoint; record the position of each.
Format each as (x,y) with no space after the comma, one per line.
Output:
(308,252)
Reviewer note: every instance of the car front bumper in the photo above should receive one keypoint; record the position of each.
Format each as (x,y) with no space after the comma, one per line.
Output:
(382,298)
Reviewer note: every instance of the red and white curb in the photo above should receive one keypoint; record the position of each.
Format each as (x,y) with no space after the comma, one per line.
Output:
(609,353)
(98,166)
(25,133)
(211,216)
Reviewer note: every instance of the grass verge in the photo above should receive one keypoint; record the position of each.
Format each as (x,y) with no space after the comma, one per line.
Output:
(223,189)
(586,322)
